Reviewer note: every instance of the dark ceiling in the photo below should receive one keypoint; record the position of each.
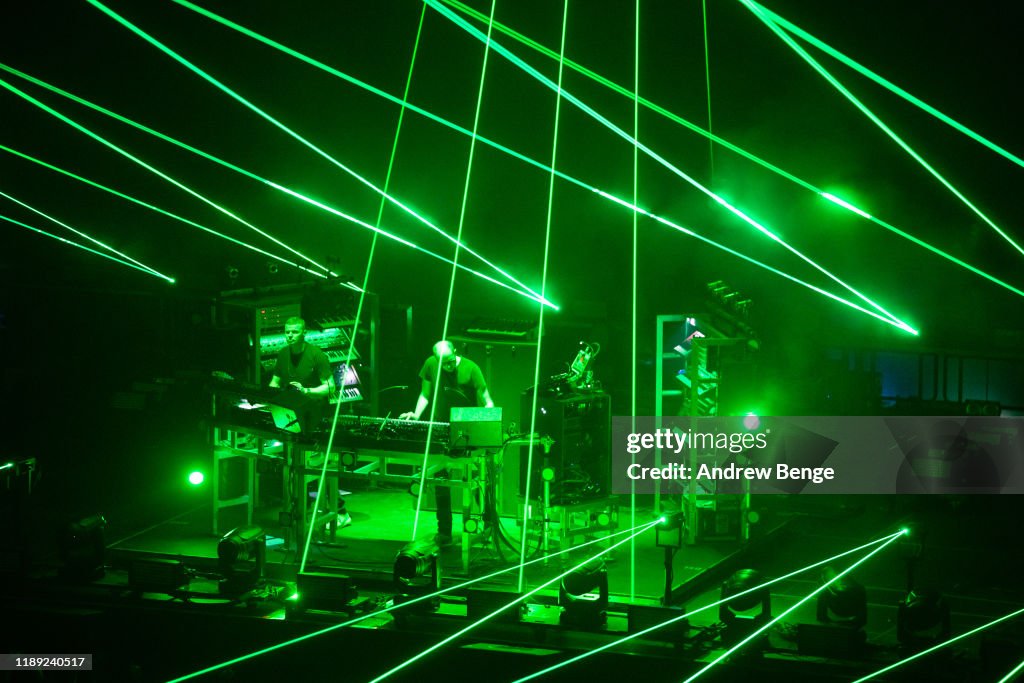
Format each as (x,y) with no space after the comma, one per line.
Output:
(963,58)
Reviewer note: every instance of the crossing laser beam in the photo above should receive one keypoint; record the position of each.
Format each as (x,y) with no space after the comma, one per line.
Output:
(265,181)
(157,209)
(798,603)
(497,47)
(392,608)
(121,255)
(888,85)
(521,598)
(299,138)
(673,620)
(877,121)
(714,139)
(99,138)
(83,247)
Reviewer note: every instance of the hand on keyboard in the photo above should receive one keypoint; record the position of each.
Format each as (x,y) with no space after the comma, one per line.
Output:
(407,416)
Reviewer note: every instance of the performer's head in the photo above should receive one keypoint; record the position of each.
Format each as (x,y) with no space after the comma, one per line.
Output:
(447,359)
(295,332)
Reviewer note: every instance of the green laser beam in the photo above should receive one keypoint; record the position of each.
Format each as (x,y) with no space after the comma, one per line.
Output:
(1010,676)
(681,617)
(290,132)
(534,45)
(521,598)
(791,278)
(109,248)
(385,610)
(707,81)
(501,147)
(366,283)
(634,321)
(269,183)
(334,72)
(95,136)
(941,645)
(157,209)
(527,507)
(792,608)
(877,121)
(888,85)
(496,145)
(845,204)
(451,285)
(497,47)
(88,249)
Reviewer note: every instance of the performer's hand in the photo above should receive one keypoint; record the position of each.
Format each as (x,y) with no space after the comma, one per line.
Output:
(298,385)
(407,416)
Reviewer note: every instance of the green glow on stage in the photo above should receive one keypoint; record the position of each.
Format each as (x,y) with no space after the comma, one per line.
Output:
(82,246)
(543,167)
(681,617)
(722,657)
(941,645)
(497,47)
(196,478)
(121,255)
(846,205)
(299,138)
(515,602)
(877,121)
(414,601)
(891,87)
(107,143)
(158,210)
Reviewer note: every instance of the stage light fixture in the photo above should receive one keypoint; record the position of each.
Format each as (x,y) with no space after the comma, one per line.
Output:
(668,533)
(844,602)
(922,618)
(747,612)
(417,573)
(196,478)
(583,596)
(82,549)
(241,555)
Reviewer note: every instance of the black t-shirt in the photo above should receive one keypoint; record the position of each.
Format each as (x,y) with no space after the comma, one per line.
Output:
(309,368)
(463,386)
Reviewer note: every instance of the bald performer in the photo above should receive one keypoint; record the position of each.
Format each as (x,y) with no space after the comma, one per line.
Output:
(461,384)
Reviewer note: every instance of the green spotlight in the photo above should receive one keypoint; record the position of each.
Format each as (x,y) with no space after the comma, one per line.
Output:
(751,421)
(846,205)
(905,531)
(196,478)
(877,121)
(296,136)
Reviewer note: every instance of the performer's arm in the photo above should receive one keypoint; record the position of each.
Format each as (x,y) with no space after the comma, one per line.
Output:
(421,402)
(275,382)
(484,397)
